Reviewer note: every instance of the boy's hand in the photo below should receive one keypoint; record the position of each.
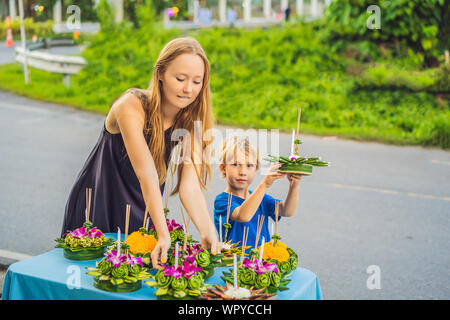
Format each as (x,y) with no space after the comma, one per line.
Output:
(294,179)
(273,175)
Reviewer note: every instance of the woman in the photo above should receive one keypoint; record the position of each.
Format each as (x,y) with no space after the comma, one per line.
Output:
(129,162)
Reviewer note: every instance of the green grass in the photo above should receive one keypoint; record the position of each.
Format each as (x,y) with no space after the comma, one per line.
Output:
(48,87)
(259,78)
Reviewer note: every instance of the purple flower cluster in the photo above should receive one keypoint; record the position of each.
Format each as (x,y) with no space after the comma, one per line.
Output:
(117,260)
(171,225)
(260,267)
(192,250)
(186,269)
(81,232)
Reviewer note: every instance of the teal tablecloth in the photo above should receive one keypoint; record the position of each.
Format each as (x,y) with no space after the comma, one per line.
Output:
(50,276)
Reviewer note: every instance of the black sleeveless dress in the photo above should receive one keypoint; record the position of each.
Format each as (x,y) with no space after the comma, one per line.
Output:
(108,171)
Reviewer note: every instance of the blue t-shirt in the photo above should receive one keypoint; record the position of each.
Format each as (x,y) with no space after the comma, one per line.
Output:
(235,233)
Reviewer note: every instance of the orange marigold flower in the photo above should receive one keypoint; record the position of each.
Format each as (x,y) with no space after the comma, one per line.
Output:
(141,243)
(278,252)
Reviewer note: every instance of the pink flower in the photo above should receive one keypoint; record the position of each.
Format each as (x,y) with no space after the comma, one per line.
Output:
(116,260)
(171,271)
(78,233)
(95,233)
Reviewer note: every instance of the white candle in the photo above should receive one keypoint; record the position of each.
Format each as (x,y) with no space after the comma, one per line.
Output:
(235,271)
(293,140)
(261,250)
(118,241)
(220,229)
(176,255)
(271,230)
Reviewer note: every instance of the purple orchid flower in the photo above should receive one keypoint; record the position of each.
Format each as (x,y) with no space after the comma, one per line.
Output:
(78,233)
(116,260)
(135,260)
(95,233)
(271,267)
(189,270)
(171,271)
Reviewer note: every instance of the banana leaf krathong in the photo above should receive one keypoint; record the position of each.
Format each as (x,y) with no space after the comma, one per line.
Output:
(85,243)
(184,282)
(297,165)
(119,272)
(196,254)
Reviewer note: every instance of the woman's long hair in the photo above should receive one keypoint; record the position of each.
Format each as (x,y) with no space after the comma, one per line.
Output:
(198,110)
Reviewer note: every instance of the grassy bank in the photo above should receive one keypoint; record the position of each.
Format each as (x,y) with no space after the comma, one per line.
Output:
(260,77)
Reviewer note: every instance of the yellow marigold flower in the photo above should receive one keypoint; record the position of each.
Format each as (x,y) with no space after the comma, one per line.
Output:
(141,243)
(278,252)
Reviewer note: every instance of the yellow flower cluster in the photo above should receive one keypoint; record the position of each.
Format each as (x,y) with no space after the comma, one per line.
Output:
(278,252)
(141,243)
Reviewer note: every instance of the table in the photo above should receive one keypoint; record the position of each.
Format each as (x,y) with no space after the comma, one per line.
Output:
(50,276)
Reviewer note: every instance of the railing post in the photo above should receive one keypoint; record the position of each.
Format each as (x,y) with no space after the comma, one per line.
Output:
(247,4)
(12,9)
(57,12)
(223,10)
(314,8)
(66,80)
(300,8)
(268,9)
(196,10)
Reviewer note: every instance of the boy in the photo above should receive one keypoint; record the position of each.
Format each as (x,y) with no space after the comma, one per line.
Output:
(238,163)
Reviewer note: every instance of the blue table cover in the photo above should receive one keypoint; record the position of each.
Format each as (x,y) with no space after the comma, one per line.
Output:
(50,276)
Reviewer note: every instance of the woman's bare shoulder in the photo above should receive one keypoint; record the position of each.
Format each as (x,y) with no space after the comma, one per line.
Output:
(128,104)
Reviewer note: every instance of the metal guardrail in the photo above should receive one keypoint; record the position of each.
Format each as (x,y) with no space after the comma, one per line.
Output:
(65,65)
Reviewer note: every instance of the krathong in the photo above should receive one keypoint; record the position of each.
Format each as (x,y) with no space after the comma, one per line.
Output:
(119,272)
(86,242)
(294,163)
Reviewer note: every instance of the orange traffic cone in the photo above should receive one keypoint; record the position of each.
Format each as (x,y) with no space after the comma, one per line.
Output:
(9,37)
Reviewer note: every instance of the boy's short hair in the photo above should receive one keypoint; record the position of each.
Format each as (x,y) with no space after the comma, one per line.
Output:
(234,144)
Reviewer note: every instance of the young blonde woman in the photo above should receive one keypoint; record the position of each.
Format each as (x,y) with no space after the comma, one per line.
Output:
(129,163)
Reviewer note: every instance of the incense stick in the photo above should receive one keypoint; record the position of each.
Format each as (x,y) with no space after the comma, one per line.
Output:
(277,203)
(88,203)
(145,218)
(244,243)
(186,226)
(258,229)
(230,197)
(298,122)
(127,221)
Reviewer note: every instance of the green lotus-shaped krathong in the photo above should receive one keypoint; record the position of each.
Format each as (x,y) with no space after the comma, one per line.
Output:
(296,164)
(85,243)
(119,272)
(184,282)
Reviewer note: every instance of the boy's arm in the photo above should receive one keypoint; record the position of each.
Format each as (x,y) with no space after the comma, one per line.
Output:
(248,208)
(288,206)
(246,211)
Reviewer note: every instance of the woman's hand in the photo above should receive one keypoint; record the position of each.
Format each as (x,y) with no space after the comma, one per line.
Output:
(210,241)
(159,253)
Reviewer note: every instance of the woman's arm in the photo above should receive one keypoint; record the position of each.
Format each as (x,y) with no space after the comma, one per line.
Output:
(193,200)
(130,118)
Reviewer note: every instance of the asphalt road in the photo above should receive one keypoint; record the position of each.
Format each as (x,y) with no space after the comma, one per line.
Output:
(377,206)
